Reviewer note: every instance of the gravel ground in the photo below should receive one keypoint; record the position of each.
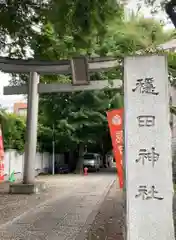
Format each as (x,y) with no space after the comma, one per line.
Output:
(108,224)
(68,210)
(11,206)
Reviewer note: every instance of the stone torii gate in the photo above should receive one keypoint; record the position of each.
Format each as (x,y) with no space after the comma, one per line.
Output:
(79,68)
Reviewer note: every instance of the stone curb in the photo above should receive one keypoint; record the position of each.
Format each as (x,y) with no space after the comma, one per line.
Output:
(83,233)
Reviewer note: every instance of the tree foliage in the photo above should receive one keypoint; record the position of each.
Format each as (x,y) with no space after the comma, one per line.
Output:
(14,132)
(65,29)
(83,20)
(21,21)
(17,21)
(80,118)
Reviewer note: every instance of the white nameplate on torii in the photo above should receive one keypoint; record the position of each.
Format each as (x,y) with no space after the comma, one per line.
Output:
(148,160)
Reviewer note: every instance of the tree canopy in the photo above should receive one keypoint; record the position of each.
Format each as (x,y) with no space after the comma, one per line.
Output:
(60,30)
(13,132)
(21,21)
(80,118)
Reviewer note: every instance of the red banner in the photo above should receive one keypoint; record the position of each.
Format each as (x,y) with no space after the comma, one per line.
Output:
(1,157)
(115,122)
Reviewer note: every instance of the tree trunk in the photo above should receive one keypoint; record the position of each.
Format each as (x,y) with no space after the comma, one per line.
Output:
(80,158)
(72,160)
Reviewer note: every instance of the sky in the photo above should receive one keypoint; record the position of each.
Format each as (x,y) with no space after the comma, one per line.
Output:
(8,101)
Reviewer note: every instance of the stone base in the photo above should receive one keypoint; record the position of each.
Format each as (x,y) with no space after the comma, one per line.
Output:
(21,188)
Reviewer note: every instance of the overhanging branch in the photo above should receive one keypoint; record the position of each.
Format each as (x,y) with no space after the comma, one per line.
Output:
(170,9)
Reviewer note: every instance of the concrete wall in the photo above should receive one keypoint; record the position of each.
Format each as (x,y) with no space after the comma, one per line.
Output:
(14,161)
(173,95)
(173,117)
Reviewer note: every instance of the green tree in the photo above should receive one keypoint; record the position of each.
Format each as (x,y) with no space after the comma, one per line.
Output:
(17,21)
(22,21)
(14,132)
(135,34)
(98,30)
(3,115)
(83,20)
(80,118)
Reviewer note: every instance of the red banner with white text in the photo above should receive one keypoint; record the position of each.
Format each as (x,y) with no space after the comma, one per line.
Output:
(1,157)
(115,122)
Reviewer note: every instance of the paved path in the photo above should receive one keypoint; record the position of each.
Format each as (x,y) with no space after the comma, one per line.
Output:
(109,222)
(65,215)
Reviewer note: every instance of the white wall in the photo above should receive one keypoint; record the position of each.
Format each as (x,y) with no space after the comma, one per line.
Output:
(13,161)
(173,94)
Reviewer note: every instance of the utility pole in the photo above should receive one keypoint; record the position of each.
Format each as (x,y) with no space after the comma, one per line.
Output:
(53,155)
